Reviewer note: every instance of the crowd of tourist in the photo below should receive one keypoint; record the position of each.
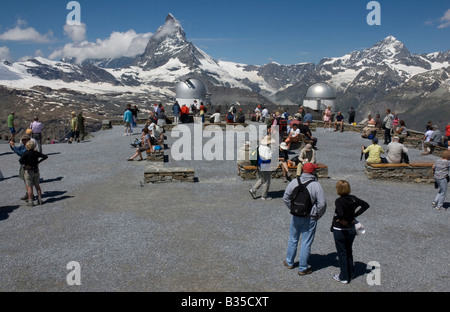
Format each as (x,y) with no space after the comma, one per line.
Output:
(292,130)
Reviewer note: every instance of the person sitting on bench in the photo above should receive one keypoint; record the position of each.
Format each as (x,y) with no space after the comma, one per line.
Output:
(374,151)
(294,136)
(145,145)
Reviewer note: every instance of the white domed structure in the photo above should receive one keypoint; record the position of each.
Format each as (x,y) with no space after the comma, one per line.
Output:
(190,90)
(320,96)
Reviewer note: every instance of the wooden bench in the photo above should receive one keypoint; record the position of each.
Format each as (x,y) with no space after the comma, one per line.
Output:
(419,172)
(250,172)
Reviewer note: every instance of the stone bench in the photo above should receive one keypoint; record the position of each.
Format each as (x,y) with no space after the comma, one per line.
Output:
(157,156)
(250,172)
(438,150)
(419,172)
(157,173)
(106,125)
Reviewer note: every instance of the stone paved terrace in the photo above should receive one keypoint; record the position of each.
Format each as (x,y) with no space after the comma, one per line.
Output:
(206,236)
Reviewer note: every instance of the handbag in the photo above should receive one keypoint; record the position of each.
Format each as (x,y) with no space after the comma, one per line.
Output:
(359,228)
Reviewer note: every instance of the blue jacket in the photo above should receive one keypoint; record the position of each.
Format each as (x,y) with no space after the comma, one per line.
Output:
(19,150)
(176,108)
(128,116)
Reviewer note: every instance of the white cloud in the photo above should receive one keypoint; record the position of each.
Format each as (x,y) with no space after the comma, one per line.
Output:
(76,32)
(5,54)
(25,58)
(119,44)
(20,33)
(445,20)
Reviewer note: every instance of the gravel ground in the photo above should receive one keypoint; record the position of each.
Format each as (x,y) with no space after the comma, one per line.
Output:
(209,236)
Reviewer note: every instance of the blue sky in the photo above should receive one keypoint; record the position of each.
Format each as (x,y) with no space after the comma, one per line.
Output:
(246,31)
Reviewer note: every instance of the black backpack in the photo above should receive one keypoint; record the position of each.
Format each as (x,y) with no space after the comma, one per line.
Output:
(301,203)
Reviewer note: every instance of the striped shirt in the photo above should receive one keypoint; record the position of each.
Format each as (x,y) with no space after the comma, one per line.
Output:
(441,169)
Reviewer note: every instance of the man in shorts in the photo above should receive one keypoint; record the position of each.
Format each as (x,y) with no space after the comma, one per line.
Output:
(30,161)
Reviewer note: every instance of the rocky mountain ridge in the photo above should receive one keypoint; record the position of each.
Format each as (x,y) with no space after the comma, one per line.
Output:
(384,75)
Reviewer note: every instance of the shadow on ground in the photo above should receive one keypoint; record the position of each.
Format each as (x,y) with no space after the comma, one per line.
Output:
(6,211)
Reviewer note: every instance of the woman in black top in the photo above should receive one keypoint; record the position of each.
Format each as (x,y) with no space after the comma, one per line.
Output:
(30,161)
(344,228)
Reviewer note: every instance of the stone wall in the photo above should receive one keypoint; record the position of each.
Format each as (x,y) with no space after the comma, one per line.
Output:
(157,156)
(106,125)
(157,173)
(418,172)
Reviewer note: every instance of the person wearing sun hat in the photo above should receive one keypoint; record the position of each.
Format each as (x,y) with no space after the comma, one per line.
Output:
(304,227)
(264,168)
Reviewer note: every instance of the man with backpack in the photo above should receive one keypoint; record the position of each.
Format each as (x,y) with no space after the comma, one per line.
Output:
(306,200)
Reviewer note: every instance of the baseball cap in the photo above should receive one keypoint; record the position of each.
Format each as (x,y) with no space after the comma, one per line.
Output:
(309,168)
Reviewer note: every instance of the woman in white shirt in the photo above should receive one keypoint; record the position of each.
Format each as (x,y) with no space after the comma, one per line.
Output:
(294,135)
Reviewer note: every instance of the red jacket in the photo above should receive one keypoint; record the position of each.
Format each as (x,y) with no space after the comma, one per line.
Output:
(185,110)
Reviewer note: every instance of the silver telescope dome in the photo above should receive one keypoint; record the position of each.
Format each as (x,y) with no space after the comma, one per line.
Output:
(191,89)
(320,91)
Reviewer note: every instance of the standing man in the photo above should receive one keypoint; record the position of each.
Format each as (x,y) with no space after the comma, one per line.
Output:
(351,115)
(264,169)
(176,109)
(81,126)
(264,114)
(12,125)
(128,119)
(388,123)
(184,114)
(73,127)
(304,226)
(37,127)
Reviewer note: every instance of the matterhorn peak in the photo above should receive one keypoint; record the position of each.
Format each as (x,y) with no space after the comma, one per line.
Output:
(171,19)
(170,28)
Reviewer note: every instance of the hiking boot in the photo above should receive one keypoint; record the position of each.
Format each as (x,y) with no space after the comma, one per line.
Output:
(25,197)
(305,272)
(253,193)
(40,203)
(290,267)
(30,203)
(336,277)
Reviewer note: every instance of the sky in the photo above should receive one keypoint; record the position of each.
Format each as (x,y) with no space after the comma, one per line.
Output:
(245,31)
